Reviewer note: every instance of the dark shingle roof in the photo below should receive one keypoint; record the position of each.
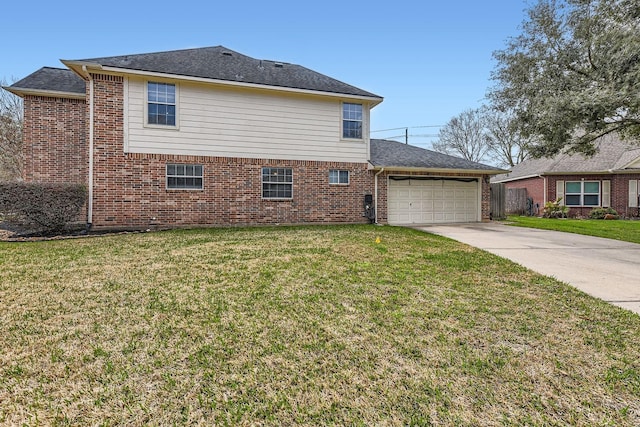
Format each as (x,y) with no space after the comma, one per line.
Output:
(612,154)
(51,79)
(220,63)
(390,154)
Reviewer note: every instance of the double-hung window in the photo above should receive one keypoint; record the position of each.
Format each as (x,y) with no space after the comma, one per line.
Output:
(161,104)
(582,193)
(277,183)
(352,121)
(338,177)
(184,177)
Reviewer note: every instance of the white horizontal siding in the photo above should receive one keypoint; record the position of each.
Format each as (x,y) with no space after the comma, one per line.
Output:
(214,121)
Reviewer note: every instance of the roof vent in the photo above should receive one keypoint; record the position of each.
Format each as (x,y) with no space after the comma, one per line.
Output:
(278,64)
(227,53)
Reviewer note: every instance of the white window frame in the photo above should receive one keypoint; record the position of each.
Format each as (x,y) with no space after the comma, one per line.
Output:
(147,102)
(280,178)
(347,118)
(336,177)
(185,175)
(582,193)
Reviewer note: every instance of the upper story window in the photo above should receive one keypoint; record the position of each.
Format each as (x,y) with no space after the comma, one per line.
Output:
(582,193)
(352,121)
(161,104)
(277,183)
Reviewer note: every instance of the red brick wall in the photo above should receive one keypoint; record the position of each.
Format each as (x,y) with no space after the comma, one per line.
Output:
(535,190)
(382,192)
(130,189)
(55,140)
(619,192)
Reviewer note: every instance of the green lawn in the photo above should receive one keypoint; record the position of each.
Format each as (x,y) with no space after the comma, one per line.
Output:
(628,231)
(303,326)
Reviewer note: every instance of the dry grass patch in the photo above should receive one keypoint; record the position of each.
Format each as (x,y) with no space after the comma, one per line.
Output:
(303,326)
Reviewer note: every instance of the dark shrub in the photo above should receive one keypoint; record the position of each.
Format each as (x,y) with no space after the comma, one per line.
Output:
(601,213)
(48,206)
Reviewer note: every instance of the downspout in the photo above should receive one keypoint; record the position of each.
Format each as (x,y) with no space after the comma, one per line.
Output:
(375,203)
(544,189)
(91,120)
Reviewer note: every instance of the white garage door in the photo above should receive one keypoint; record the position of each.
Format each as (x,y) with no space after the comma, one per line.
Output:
(428,201)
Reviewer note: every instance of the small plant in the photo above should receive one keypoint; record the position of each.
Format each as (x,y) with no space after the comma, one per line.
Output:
(603,213)
(555,209)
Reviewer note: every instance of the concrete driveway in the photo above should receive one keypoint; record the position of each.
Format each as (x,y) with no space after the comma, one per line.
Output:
(604,268)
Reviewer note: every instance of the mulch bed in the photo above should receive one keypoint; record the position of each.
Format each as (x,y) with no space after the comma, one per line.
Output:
(12,232)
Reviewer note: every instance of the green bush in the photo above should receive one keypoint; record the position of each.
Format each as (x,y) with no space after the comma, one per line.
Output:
(555,209)
(49,207)
(600,213)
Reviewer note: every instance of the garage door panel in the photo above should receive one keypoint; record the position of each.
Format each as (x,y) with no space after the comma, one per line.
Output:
(414,201)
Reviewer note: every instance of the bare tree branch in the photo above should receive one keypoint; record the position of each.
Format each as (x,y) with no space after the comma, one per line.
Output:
(11,119)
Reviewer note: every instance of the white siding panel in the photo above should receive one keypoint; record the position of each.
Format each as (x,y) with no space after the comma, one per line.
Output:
(213,121)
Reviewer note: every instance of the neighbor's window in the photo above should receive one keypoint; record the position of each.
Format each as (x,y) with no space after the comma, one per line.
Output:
(184,177)
(352,121)
(277,183)
(582,193)
(338,177)
(161,104)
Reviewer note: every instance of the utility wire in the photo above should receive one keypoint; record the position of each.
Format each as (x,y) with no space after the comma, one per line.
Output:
(408,127)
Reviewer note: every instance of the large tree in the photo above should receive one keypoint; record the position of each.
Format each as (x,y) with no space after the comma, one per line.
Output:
(573,74)
(507,146)
(10,135)
(465,136)
(483,135)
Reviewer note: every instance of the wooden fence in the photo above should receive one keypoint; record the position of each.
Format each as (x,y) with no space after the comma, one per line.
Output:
(517,201)
(498,201)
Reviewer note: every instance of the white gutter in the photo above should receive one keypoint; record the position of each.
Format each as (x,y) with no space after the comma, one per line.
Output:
(375,202)
(21,92)
(91,120)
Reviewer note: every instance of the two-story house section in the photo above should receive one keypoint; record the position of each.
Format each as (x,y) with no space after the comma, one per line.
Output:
(200,136)
(209,136)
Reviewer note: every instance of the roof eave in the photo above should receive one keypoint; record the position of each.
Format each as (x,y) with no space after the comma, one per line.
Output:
(22,92)
(439,170)
(82,68)
(517,178)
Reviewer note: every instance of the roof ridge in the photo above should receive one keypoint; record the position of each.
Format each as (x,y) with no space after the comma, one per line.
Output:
(56,68)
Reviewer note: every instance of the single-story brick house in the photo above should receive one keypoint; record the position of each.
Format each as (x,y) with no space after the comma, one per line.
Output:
(209,136)
(611,178)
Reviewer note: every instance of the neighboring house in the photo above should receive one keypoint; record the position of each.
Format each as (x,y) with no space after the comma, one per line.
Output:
(209,136)
(608,179)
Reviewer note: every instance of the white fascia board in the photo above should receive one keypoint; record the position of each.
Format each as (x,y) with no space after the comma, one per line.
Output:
(393,169)
(518,178)
(74,65)
(633,162)
(42,92)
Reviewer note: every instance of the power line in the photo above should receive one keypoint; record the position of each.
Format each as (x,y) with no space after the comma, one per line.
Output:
(408,127)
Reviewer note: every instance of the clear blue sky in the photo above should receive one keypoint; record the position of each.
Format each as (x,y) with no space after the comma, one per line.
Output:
(430,60)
